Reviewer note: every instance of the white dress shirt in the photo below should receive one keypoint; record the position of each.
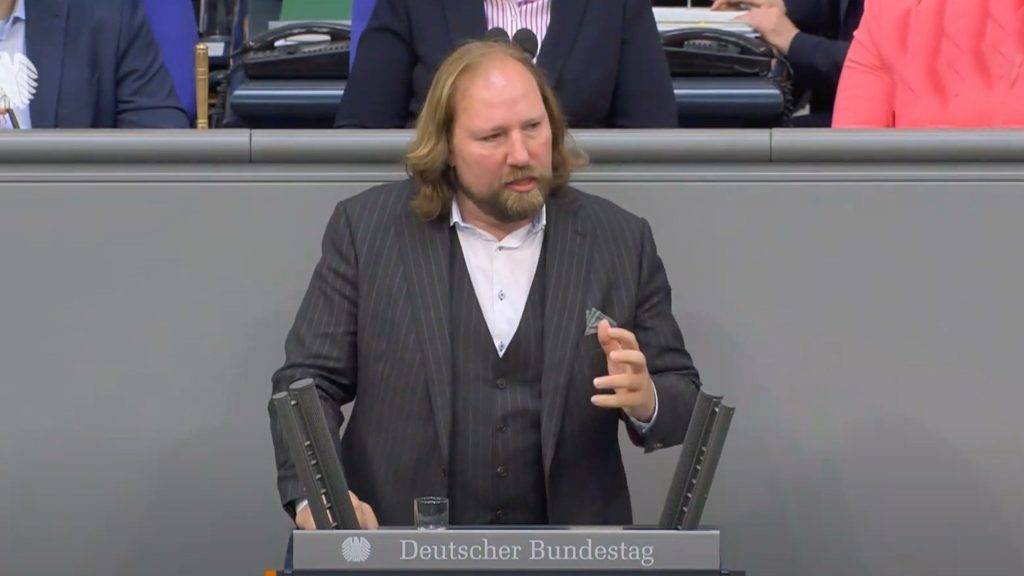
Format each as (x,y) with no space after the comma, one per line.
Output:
(12,41)
(502,271)
(511,15)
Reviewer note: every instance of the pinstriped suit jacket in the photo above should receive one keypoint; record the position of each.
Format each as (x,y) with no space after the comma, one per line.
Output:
(374,323)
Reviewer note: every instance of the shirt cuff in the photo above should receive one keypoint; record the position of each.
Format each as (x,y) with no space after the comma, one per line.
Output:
(303,503)
(643,427)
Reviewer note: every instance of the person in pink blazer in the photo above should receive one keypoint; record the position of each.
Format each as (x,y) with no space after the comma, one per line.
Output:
(934,64)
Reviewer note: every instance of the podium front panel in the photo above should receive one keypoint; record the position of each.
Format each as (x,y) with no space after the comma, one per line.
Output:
(590,550)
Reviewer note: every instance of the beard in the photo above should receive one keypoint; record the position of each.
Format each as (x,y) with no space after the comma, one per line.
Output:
(508,206)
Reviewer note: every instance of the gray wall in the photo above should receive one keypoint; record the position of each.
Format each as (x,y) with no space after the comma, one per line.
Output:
(856,296)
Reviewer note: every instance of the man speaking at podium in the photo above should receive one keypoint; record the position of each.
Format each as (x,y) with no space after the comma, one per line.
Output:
(470,308)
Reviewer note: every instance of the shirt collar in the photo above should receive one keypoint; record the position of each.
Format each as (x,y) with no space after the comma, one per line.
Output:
(540,220)
(17,14)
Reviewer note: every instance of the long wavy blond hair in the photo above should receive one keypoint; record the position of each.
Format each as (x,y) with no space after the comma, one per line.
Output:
(428,160)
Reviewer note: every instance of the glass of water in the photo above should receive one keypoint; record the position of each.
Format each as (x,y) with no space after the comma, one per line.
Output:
(431,513)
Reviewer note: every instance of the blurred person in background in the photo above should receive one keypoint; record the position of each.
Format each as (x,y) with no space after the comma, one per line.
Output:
(814,36)
(935,64)
(176,30)
(604,59)
(98,65)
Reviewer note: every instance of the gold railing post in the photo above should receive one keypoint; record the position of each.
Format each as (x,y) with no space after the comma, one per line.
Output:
(202,86)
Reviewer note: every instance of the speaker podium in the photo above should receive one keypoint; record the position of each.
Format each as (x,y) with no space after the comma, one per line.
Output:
(675,546)
(541,550)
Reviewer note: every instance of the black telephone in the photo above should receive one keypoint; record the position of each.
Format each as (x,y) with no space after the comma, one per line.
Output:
(715,52)
(263,58)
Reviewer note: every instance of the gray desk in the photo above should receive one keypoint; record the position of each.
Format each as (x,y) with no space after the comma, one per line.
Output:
(857,296)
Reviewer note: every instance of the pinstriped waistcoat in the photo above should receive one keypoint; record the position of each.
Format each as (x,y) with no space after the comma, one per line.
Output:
(496,473)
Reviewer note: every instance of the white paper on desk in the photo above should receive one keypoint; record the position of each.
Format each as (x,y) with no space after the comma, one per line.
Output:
(675,18)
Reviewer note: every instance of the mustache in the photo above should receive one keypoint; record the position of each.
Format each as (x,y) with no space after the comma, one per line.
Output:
(520,174)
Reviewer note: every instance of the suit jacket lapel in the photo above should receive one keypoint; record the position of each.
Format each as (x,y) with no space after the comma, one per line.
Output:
(567,258)
(45,22)
(844,5)
(426,250)
(566,16)
(466,19)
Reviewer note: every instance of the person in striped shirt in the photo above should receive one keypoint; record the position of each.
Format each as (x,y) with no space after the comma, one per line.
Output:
(603,58)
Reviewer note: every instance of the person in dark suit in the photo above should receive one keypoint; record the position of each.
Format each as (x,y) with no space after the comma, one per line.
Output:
(99,67)
(604,59)
(455,304)
(814,36)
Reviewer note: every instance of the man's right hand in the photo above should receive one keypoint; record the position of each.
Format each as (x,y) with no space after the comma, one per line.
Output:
(364,513)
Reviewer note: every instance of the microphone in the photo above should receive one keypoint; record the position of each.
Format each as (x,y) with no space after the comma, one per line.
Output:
(497,34)
(17,84)
(527,40)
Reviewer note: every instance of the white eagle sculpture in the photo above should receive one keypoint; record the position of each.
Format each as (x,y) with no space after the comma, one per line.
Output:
(17,82)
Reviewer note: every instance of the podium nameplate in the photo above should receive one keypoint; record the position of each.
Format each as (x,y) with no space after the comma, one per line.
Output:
(590,549)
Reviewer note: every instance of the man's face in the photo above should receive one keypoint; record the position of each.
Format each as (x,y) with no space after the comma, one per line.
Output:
(501,143)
